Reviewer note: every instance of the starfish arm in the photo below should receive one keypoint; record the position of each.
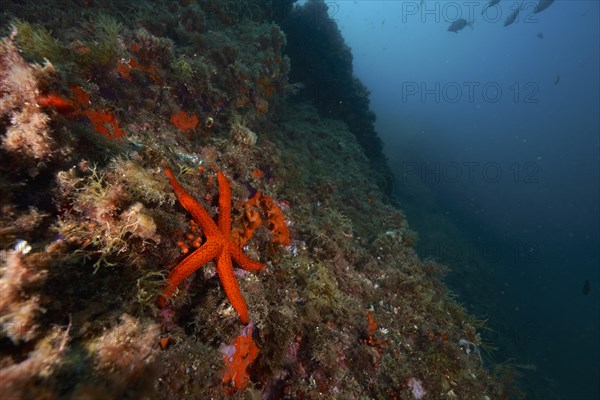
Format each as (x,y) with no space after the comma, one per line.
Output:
(243,260)
(188,266)
(230,285)
(224,204)
(198,212)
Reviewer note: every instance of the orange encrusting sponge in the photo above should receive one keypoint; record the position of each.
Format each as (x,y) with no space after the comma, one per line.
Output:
(251,219)
(235,373)
(184,122)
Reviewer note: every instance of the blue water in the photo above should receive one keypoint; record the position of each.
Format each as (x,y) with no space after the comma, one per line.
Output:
(497,130)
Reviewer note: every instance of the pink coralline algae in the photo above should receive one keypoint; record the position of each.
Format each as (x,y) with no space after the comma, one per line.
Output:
(416,387)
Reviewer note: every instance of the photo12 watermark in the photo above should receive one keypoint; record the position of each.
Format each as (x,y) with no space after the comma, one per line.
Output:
(428,11)
(506,254)
(470,92)
(469,172)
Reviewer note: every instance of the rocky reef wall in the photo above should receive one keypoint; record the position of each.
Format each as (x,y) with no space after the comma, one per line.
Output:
(99,100)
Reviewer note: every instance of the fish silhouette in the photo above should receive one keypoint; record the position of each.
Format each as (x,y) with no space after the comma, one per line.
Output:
(512,17)
(542,5)
(490,4)
(586,288)
(460,24)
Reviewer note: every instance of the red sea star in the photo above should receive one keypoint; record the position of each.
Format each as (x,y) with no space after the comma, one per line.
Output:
(218,246)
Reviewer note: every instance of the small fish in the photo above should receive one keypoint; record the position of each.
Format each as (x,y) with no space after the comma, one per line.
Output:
(459,24)
(542,5)
(490,4)
(540,35)
(586,288)
(557,79)
(513,16)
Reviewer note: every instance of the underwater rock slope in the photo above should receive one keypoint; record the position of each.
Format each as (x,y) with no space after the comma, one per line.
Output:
(94,112)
